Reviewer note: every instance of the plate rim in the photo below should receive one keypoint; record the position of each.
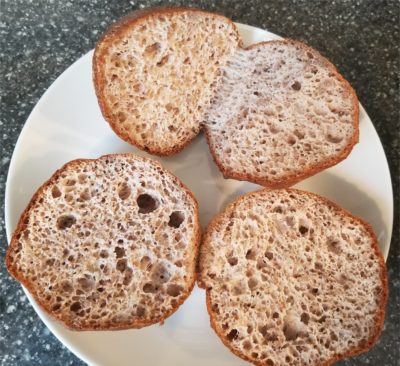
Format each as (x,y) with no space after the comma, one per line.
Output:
(49,323)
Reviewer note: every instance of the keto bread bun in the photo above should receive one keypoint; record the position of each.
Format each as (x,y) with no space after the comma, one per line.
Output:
(109,243)
(292,279)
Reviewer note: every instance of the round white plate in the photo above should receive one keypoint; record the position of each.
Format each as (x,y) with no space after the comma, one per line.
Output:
(67,124)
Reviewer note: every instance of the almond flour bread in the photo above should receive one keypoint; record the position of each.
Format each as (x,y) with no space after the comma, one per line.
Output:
(292,279)
(280,113)
(109,243)
(274,113)
(153,72)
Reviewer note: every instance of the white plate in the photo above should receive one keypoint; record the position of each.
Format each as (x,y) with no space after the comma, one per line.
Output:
(67,124)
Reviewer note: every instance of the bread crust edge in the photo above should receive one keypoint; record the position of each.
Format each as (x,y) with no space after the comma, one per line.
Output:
(380,315)
(65,320)
(293,178)
(114,32)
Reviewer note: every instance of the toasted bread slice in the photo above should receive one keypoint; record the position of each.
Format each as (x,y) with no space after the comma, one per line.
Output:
(292,279)
(153,72)
(109,243)
(280,114)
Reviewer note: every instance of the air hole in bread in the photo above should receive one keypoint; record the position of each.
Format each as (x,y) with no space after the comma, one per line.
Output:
(65,221)
(253,283)
(251,254)
(296,86)
(161,274)
(50,262)
(269,255)
(86,283)
(55,192)
(146,203)
(246,345)
(67,287)
(140,311)
(124,191)
(145,262)
(178,264)
(85,195)
(291,328)
(299,134)
(263,330)
(163,61)
(150,288)
(291,140)
(176,219)
(70,182)
(273,129)
(303,229)
(232,335)
(269,362)
(104,254)
(75,307)
(305,318)
(152,50)
(128,276)
(334,138)
(119,252)
(121,265)
(233,261)
(254,355)
(56,307)
(174,290)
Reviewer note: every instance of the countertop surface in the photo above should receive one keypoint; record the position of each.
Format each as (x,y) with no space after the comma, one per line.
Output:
(40,39)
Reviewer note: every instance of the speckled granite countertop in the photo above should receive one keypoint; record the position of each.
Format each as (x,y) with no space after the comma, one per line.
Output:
(39,39)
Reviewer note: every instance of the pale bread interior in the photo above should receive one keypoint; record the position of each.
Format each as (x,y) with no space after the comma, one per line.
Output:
(292,280)
(158,76)
(280,110)
(108,243)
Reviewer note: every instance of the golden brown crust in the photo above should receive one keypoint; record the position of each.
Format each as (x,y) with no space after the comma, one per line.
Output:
(11,267)
(293,178)
(115,31)
(380,317)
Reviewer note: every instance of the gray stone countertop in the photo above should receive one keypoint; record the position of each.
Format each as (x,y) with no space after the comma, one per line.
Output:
(39,39)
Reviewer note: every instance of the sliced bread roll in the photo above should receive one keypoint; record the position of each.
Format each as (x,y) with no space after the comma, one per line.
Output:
(274,113)
(109,243)
(280,113)
(292,279)
(153,72)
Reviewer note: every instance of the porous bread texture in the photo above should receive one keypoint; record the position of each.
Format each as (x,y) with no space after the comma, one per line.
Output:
(109,243)
(292,279)
(153,73)
(280,113)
